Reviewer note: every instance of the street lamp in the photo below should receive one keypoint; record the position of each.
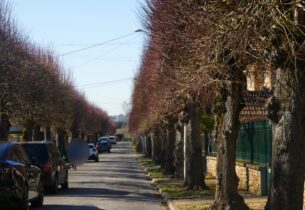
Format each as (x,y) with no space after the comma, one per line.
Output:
(139,30)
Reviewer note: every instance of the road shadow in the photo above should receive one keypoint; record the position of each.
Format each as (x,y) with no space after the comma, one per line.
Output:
(66,207)
(109,193)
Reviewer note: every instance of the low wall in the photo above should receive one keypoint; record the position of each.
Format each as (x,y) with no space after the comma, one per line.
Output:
(242,174)
(211,165)
(252,177)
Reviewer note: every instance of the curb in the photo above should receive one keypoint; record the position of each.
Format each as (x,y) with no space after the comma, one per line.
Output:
(170,204)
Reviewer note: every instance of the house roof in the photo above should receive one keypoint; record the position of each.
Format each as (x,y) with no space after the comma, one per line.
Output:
(255,105)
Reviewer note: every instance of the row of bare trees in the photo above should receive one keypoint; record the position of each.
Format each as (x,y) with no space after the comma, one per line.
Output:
(36,92)
(193,76)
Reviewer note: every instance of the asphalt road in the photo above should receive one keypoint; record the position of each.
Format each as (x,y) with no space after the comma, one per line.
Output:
(114,183)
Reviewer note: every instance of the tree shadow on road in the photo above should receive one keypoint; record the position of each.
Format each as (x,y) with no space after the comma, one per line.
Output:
(66,207)
(110,193)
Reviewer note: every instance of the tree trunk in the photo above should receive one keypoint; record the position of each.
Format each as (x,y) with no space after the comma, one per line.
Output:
(4,127)
(227,122)
(178,152)
(62,141)
(169,148)
(151,137)
(287,109)
(157,146)
(137,142)
(48,133)
(38,135)
(163,141)
(179,166)
(147,142)
(205,154)
(194,177)
(28,133)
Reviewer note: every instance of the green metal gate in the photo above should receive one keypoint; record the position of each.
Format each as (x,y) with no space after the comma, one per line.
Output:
(254,143)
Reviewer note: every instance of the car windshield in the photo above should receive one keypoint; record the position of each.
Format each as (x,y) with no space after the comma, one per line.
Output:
(37,152)
(90,146)
(104,142)
(104,139)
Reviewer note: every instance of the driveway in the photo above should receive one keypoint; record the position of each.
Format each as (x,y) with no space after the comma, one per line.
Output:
(114,183)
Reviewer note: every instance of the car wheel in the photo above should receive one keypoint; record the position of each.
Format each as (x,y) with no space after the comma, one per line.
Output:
(24,203)
(54,187)
(97,159)
(66,184)
(39,201)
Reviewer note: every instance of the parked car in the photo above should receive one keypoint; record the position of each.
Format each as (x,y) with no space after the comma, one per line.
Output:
(105,138)
(20,181)
(47,157)
(93,152)
(112,139)
(104,146)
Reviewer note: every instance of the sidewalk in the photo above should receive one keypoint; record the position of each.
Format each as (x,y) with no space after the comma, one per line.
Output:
(179,198)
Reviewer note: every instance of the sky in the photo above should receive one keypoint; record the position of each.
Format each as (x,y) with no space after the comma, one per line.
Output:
(103,73)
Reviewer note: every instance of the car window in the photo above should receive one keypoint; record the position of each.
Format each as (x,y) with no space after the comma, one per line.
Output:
(90,146)
(38,152)
(17,154)
(3,150)
(22,155)
(54,151)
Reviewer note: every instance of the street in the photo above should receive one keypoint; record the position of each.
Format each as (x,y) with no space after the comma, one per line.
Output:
(116,182)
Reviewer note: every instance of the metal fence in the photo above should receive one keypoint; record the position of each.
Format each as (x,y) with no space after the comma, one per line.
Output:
(254,143)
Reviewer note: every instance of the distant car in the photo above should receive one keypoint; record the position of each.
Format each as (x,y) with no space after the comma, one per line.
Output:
(20,181)
(47,157)
(93,152)
(112,139)
(105,138)
(104,146)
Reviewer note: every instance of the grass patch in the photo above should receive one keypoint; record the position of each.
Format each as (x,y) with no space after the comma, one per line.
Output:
(209,177)
(257,204)
(193,207)
(173,188)
(181,192)
(154,170)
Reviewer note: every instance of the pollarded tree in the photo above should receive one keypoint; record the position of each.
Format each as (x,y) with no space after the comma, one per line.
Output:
(287,106)
(11,59)
(170,25)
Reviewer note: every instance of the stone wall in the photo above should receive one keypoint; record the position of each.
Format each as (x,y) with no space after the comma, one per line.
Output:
(255,181)
(242,173)
(211,165)
(252,177)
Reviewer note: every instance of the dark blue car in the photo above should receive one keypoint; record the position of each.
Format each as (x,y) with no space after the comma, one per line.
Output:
(103,146)
(20,181)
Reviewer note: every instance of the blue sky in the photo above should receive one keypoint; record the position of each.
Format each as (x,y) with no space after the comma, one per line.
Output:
(67,25)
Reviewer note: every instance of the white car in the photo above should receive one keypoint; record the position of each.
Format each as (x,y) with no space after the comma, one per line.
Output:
(112,139)
(93,153)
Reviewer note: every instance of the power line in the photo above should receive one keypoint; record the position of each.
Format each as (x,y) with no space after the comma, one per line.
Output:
(98,44)
(103,83)
(97,57)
